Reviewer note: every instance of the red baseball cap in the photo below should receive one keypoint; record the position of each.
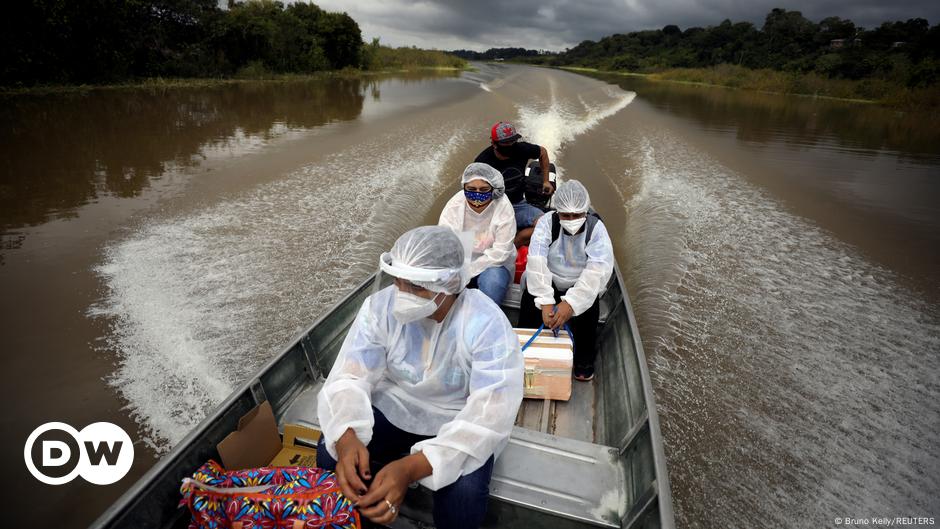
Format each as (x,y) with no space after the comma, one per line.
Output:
(503,131)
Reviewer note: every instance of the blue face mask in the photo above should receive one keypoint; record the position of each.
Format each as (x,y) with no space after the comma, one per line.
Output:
(476,198)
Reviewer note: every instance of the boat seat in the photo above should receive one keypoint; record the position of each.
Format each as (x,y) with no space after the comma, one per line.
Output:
(575,479)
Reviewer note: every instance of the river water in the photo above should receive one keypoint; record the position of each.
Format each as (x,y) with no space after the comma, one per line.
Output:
(781,253)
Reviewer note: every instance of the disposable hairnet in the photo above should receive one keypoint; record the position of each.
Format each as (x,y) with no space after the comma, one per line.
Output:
(431,257)
(488,174)
(572,197)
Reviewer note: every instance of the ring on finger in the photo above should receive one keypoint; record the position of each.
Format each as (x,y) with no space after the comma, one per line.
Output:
(391,507)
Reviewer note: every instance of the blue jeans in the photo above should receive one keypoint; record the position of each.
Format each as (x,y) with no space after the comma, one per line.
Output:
(460,505)
(493,282)
(526,215)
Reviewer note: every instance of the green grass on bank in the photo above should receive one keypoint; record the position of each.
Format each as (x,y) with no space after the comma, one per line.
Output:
(169,83)
(766,80)
(378,57)
(393,62)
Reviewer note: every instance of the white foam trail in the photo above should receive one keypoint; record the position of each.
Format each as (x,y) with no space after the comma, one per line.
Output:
(554,123)
(799,379)
(486,77)
(197,303)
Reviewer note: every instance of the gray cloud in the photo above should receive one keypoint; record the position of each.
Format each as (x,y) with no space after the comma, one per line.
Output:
(557,24)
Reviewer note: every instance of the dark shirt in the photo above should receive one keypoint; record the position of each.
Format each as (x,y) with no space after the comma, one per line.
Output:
(519,155)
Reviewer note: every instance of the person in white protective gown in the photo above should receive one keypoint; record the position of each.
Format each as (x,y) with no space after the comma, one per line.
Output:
(569,264)
(482,213)
(428,382)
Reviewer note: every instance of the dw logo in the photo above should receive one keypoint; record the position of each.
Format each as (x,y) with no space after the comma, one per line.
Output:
(55,453)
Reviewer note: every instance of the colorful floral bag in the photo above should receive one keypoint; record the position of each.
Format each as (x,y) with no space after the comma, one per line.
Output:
(268,498)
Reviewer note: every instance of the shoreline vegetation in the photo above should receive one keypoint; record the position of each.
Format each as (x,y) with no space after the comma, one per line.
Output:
(867,91)
(256,76)
(62,46)
(896,64)
(66,46)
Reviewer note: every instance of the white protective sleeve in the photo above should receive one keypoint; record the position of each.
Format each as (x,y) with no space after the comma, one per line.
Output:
(345,399)
(538,275)
(502,229)
(593,279)
(482,427)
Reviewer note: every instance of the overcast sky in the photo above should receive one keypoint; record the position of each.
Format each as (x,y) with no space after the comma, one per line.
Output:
(559,24)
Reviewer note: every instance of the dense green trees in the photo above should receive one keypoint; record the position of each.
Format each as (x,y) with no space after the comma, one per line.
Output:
(901,53)
(93,41)
(906,53)
(495,53)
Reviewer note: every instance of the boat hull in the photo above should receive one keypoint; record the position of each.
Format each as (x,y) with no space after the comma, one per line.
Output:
(610,472)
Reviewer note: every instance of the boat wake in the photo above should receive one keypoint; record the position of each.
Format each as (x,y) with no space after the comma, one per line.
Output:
(556,122)
(198,303)
(795,379)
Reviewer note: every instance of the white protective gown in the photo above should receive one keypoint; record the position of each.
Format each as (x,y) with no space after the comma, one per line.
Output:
(584,271)
(460,380)
(493,231)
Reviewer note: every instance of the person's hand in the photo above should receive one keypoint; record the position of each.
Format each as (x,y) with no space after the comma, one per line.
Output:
(352,465)
(387,492)
(524,236)
(548,315)
(547,188)
(563,313)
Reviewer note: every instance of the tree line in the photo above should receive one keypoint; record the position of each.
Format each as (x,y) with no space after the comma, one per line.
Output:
(100,41)
(903,52)
(496,53)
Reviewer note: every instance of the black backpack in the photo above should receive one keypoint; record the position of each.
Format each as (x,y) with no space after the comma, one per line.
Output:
(592,219)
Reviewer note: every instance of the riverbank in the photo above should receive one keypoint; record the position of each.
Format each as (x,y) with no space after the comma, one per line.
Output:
(871,91)
(244,76)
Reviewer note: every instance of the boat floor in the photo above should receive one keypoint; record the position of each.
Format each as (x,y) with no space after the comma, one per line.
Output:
(551,463)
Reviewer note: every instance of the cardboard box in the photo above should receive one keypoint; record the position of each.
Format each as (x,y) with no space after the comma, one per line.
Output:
(256,443)
(548,362)
(298,448)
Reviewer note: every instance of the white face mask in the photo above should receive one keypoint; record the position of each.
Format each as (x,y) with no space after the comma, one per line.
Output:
(409,307)
(572,226)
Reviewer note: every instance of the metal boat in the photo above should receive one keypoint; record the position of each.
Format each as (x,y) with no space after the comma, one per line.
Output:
(596,460)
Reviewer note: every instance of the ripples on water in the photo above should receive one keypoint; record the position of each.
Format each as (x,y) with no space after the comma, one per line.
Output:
(797,381)
(200,302)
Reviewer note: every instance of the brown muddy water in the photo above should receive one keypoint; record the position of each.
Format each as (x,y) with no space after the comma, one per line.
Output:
(781,253)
